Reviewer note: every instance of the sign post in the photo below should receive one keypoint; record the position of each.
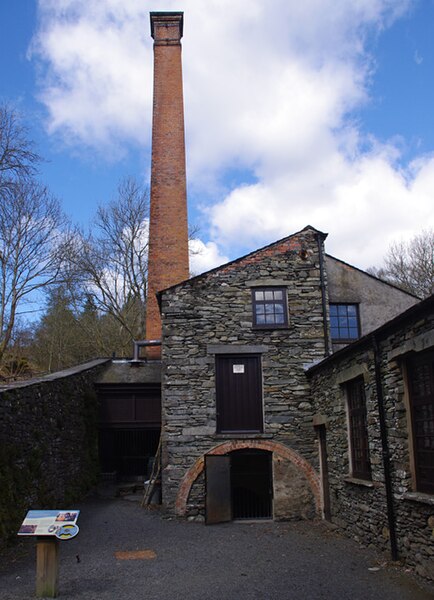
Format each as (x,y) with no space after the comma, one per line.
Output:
(47,566)
(49,526)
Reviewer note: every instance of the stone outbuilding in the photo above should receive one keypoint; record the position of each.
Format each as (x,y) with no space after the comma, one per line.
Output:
(374,405)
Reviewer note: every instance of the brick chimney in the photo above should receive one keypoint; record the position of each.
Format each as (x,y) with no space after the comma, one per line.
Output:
(168,230)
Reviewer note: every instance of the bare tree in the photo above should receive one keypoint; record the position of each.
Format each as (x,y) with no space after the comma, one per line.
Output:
(32,248)
(113,259)
(410,265)
(18,160)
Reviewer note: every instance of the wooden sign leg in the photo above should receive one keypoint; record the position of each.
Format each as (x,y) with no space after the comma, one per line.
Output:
(47,566)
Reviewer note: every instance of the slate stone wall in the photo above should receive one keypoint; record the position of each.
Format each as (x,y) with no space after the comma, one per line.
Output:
(213,314)
(48,443)
(359,508)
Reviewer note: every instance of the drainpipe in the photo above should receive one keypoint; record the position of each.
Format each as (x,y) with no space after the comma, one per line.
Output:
(385,452)
(323,294)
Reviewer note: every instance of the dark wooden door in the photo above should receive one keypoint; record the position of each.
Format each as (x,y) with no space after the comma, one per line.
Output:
(218,507)
(239,393)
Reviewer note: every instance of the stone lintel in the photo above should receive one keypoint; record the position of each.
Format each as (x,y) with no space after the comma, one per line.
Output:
(352,373)
(269,282)
(416,344)
(235,349)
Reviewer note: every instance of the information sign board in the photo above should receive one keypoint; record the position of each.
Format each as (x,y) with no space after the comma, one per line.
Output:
(59,523)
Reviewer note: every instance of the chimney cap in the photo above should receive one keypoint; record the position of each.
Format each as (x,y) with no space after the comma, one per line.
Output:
(167,16)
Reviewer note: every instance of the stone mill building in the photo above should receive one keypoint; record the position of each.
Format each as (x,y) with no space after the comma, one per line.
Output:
(286,384)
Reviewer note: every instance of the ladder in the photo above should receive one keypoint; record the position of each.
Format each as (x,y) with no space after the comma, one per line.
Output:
(155,474)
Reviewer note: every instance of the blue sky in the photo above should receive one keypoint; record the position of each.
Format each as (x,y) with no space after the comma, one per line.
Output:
(320,116)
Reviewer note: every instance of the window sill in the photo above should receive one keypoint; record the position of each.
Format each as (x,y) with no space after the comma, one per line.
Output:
(419,497)
(363,482)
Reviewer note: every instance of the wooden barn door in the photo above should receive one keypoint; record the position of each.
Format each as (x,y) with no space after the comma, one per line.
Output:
(239,393)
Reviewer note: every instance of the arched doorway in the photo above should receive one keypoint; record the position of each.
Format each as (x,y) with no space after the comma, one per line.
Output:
(238,486)
(284,458)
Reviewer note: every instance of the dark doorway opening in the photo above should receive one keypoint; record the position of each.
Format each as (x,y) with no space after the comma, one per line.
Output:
(129,429)
(251,484)
(128,452)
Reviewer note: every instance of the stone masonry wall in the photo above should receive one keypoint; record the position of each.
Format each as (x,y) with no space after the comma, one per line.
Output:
(215,311)
(48,443)
(360,509)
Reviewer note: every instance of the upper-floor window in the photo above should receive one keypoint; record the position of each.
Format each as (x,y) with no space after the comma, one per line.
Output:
(358,429)
(421,388)
(269,307)
(344,322)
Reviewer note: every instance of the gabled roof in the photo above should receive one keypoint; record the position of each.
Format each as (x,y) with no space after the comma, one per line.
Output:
(234,263)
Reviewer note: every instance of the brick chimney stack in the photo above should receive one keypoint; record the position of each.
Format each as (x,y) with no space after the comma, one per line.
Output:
(168,229)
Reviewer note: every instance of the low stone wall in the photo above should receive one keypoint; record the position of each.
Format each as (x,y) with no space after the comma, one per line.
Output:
(48,443)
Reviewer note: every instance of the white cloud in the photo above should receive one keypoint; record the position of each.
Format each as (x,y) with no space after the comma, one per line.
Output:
(269,90)
(204,256)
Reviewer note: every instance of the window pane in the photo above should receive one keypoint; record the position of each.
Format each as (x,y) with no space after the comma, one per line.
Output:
(344,324)
(267,304)
(421,387)
(358,431)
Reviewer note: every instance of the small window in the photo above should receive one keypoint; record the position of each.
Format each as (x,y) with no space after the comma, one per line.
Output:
(344,322)
(358,429)
(421,387)
(269,307)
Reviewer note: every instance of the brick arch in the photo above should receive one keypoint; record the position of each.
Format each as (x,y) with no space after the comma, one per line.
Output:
(279,449)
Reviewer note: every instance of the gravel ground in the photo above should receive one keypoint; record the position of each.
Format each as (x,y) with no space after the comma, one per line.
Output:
(189,561)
